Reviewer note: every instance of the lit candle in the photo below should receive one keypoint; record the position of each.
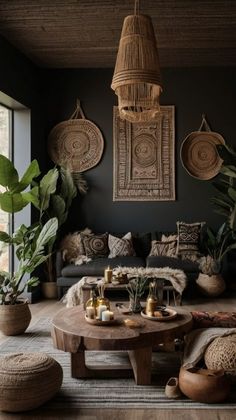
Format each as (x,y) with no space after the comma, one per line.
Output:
(111,314)
(90,311)
(100,310)
(105,315)
(108,275)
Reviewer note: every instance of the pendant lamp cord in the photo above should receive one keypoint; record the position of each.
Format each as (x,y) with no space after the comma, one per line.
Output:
(136,7)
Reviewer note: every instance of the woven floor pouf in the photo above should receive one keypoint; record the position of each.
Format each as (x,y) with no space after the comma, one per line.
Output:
(27,380)
(221,354)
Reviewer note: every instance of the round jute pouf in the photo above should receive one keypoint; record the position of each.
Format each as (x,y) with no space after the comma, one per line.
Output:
(221,354)
(27,380)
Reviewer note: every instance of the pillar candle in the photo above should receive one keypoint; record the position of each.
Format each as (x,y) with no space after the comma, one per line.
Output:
(105,315)
(108,275)
(100,310)
(111,314)
(90,311)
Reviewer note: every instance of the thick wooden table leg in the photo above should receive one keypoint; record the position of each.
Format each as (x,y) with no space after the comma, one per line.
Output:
(78,367)
(80,370)
(141,361)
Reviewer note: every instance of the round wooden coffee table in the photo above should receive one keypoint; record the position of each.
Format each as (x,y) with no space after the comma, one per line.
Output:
(71,333)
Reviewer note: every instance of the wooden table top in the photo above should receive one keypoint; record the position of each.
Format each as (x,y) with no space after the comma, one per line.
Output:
(70,331)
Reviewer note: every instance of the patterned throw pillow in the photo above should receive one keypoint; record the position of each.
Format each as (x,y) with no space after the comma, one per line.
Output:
(95,246)
(172,237)
(121,247)
(189,239)
(163,248)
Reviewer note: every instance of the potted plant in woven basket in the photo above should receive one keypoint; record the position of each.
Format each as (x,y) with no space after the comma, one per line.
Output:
(28,243)
(217,245)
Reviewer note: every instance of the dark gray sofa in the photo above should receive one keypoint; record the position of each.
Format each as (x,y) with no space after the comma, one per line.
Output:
(69,274)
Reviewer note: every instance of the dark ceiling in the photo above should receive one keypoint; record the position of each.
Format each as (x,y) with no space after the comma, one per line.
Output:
(85,33)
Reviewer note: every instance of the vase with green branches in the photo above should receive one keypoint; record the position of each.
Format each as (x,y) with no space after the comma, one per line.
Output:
(136,288)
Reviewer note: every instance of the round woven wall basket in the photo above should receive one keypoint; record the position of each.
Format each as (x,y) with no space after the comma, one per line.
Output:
(221,354)
(199,154)
(76,144)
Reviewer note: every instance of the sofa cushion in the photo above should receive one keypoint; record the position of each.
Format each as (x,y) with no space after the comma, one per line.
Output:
(204,319)
(188,239)
(97,266)
(96,246)
(161,261)
(142,243)
(72,246)
(165,248)
(120,247)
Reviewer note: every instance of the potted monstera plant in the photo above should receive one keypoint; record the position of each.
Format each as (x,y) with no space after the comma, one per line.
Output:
(29,243)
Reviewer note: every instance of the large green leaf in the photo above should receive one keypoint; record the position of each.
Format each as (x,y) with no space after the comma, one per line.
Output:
(68,189)
(222,203)
(31,172)
(47,233)
(8,173)
(228,171)
(4,237)
(232,193)
(232,218)
(227,154)
(12,203)
(32,196)
(58,209)
(47,187)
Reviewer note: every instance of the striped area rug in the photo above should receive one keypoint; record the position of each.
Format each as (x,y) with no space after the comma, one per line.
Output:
(107,393)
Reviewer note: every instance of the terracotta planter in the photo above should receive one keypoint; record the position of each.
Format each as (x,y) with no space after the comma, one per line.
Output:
(14,319)
(49,289)
(211,285)
(204,385)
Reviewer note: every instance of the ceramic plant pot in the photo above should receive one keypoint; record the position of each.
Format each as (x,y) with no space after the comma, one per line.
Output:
(49,289)
(211,285)
(14,319)
(204,385)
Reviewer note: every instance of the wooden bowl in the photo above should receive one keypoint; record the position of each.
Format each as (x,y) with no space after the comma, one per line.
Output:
(204,385)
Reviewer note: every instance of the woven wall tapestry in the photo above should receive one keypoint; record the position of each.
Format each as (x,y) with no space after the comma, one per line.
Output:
(144,158)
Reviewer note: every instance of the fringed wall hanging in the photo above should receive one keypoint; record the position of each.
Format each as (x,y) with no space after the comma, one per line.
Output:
(144,158)
(77,143)
(137,80)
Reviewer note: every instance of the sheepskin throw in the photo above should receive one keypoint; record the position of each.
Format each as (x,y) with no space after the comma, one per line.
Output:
(176,277)
(74,295)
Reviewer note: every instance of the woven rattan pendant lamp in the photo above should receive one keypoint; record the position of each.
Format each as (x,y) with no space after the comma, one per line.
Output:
(137,80)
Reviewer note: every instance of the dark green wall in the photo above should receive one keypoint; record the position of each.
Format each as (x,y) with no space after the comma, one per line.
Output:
(21,80)
(193,92)
(51,96)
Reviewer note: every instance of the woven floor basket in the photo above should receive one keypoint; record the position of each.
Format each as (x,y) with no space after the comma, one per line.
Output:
(221,353)
(14,319)
(27,380)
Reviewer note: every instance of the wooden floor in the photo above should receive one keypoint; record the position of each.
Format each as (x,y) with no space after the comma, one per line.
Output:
(49,308)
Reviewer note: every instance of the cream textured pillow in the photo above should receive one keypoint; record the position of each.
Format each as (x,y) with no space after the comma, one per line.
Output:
(163,248)
(72,247)
(121,247)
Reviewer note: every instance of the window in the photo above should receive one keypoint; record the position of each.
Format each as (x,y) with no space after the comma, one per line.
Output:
(5,149)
